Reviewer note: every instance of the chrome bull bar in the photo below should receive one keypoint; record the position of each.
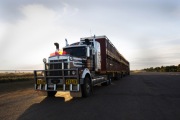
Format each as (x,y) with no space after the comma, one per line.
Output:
(44,82)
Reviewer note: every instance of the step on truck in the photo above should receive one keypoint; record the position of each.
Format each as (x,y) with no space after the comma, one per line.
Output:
(80,66)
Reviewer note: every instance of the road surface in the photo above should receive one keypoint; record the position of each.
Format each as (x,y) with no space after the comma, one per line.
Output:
(140,96)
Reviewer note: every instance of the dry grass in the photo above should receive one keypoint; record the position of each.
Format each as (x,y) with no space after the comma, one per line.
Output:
(9,77)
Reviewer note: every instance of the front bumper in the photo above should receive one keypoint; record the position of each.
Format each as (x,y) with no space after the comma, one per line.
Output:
(57,80)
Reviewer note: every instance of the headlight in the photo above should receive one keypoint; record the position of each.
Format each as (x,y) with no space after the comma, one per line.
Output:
(73,72)
(70,58)
(44,60)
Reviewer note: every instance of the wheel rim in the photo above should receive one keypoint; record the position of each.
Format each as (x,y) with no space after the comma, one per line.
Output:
(87,87)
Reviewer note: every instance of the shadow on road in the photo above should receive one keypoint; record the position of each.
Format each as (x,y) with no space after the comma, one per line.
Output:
(62,106)
(136,97)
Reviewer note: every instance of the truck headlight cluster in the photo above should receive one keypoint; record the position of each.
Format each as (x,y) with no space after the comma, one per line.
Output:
(70,58)
(73,72)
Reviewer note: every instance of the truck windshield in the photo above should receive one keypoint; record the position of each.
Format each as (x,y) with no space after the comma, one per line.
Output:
(76,51)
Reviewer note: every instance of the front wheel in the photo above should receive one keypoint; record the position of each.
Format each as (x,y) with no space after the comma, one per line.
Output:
(86,87)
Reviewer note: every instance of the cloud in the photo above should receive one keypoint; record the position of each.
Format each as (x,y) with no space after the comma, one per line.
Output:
(25,42)
(11,10)
(28,40)
(141,30)
(157,53)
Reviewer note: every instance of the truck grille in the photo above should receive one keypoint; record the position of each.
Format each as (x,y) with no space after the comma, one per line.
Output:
(57,64)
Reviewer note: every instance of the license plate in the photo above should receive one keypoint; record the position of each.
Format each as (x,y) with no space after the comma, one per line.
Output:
(40,81)
(71,81)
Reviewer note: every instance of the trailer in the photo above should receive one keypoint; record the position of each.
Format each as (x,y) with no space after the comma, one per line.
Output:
(112,62)
(80,66)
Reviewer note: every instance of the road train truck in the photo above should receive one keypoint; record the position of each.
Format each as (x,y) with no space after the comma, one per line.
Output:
(79,66)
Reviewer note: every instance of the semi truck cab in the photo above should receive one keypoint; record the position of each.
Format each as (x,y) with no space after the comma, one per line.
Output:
(72,69)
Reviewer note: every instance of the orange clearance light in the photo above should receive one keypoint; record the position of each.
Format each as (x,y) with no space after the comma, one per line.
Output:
(54,54)
(60,52)
(64,53)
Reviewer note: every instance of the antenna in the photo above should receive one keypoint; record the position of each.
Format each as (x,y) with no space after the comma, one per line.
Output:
(94,39)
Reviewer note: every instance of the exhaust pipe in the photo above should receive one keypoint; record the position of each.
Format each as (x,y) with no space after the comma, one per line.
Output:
(66,42)
(57,46)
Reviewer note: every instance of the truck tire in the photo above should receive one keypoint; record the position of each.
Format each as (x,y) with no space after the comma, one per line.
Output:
(51,93)
(86,87)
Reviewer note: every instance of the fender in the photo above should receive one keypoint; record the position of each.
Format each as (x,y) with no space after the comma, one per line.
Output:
(85,72)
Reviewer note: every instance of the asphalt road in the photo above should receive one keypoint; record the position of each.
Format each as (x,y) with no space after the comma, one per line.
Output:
(140,96)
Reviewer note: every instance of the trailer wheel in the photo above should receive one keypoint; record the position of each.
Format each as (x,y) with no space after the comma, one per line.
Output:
(86,87)
(51,93)
(108,82)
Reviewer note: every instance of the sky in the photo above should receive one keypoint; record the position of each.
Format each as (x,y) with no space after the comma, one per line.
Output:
(145,32)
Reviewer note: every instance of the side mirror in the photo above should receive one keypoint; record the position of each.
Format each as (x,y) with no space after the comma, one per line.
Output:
(88,52)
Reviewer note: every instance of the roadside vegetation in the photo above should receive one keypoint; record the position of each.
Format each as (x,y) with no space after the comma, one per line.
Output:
(171,68)
(10,77)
